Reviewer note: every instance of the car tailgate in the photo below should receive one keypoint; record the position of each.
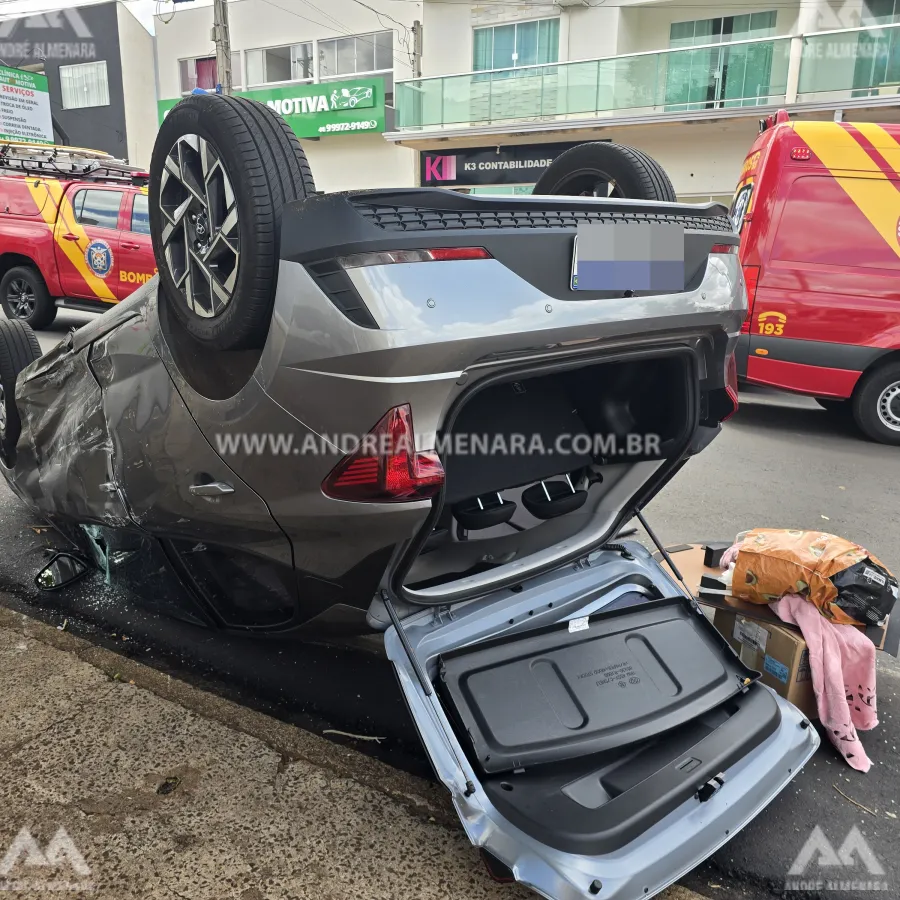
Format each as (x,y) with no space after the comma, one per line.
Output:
(633,801)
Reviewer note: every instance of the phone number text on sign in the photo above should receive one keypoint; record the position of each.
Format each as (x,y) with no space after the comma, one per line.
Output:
(364,125)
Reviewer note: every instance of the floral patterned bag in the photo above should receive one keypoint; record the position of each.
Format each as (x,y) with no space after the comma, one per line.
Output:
(772,562)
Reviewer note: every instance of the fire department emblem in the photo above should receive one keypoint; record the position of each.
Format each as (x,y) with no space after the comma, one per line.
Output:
(99,258)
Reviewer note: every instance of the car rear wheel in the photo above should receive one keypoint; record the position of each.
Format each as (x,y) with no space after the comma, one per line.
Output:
(222,170)
(603,169)
(876,404)
(18,348)
(25,297)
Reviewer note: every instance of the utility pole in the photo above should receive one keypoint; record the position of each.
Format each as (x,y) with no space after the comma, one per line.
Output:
(222,40)
(417,49)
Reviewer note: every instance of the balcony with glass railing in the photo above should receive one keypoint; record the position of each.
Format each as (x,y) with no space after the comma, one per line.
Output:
(715,76)
(848,64)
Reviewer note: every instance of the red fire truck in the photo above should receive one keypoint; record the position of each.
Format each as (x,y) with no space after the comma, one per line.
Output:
(74,231)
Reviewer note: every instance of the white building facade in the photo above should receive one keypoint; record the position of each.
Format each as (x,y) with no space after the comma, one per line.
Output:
(329,69)
(506,86)
(502,87)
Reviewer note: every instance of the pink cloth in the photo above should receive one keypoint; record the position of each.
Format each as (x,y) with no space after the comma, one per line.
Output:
(842,661)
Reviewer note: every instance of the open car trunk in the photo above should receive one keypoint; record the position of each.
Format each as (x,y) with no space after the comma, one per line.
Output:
(541,466)
(598,736)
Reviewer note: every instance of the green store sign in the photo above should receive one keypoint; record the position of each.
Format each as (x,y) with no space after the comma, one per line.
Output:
(313,110)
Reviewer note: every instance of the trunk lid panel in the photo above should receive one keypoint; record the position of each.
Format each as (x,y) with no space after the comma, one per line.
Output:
(589,686)
(633,845)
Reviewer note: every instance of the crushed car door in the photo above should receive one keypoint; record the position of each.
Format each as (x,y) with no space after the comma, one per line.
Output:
(597,734)
(177,488)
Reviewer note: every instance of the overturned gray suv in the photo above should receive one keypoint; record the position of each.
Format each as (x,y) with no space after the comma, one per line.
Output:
(426,415)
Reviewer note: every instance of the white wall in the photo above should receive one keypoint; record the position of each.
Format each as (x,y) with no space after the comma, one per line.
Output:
(255,24)
(139,87)
(446,38)
(351,162)
(342,162)
(701,159)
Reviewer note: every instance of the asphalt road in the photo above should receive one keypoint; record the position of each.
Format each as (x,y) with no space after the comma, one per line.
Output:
(781,462)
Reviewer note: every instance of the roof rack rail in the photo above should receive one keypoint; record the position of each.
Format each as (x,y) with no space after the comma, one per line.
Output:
(53,161)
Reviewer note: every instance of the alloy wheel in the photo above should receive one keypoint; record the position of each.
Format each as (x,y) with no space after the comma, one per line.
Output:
(200,236)
(20,298)
(889,406)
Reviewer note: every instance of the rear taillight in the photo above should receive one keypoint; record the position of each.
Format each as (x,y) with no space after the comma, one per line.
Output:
(724,248)
(386,467)
(751,279)
(434,254)
(731,385)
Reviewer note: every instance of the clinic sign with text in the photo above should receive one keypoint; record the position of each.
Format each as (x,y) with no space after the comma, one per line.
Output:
(314,110)
(24,107)
(518,164)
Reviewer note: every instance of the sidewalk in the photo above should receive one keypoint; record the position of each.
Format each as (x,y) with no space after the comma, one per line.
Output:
(165,792)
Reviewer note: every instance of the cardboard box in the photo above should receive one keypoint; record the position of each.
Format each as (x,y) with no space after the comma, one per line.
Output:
(689,558)
(779,653)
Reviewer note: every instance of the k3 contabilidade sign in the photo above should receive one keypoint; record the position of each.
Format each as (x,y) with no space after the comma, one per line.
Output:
(24,107)
(518,164)
(335,107)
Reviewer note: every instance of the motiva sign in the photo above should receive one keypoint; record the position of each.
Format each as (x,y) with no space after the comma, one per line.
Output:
(518,164)
(342,107)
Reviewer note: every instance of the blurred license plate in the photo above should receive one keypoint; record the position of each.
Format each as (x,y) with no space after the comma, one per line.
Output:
(638,256)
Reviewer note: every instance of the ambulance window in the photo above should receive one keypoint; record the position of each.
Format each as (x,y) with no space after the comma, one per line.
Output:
(98,208)
(821,224)
(140,214)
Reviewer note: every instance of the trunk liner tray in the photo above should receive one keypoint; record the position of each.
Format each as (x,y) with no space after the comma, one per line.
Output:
(558,693)
(597,804)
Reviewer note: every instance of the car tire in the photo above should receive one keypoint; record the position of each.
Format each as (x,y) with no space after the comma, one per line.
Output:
(578,172)
(19,348)
(222,170)
(837,407)
(876,404)
(25,297)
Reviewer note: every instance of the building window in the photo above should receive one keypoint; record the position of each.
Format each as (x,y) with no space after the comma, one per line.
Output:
(273,64)
(880,12)
(197,73)
(98,208)
(515,45)
(357,55)
(722,29)
(202,73)
(720,76)
(84,85)
(140,214)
